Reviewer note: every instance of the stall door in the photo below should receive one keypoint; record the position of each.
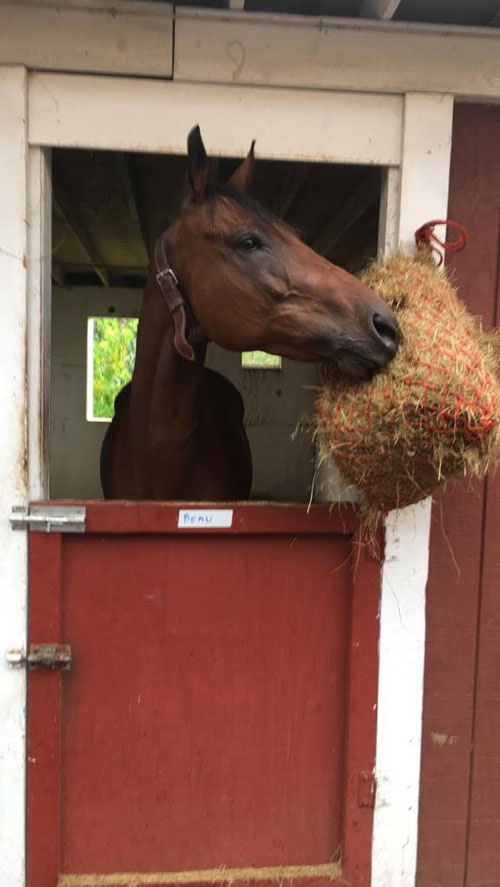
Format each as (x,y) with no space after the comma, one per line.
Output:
(216,724)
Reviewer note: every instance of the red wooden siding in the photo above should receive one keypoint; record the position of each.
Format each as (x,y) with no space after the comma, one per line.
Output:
(220,708)
(459,834)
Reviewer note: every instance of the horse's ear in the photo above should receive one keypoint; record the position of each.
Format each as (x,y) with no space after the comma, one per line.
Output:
(197,163)
(242,176)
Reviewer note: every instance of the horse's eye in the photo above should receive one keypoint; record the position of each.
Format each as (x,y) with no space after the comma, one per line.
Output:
(248,243)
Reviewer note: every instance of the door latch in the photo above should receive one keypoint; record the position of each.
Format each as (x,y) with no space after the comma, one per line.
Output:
(49,518)
(55,657)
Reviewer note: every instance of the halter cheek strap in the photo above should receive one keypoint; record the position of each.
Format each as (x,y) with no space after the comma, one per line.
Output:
(177,305)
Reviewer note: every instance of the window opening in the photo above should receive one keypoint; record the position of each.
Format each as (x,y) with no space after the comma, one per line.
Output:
(110,362)
(260,360)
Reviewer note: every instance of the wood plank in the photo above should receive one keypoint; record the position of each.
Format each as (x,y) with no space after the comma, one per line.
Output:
(381,9)
(249,517)
(13,475)
(220,47)
(39,319)
(44,714)
(95,112)
(102,37)
(424,189)
(362,717)
(453,591)
(483,860)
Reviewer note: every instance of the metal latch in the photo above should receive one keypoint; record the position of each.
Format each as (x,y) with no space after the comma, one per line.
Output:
(56,657)
(49,518)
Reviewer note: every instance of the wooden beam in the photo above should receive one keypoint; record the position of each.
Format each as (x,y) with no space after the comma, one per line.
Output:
(58,274)
(381,9)
(494,22)
(67,214)
(365,195)
(134,202)
(291,186)
(129,37)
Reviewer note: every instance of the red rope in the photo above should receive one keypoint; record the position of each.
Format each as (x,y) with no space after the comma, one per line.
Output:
(424,238)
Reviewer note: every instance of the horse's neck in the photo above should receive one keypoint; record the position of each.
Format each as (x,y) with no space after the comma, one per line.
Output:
(166,388)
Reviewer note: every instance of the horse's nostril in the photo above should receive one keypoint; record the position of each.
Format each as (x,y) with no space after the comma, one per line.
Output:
(387,330)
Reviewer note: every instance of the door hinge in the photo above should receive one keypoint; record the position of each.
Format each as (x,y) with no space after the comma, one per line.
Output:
(49,518)
(56,657)
(367,787)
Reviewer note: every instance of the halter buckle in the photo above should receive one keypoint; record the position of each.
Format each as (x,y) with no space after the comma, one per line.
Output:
(164,273)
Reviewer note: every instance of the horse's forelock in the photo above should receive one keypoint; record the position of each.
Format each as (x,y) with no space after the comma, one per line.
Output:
(215,192)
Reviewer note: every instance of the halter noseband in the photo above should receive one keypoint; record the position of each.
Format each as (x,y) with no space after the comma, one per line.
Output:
(176,303)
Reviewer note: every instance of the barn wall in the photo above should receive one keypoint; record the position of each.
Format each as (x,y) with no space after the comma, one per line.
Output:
(275,401)
(460,778)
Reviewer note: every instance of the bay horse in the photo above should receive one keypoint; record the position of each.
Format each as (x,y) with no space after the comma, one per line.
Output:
(227,271)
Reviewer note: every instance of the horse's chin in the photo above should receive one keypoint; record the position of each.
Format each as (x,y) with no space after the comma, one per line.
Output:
(356,368)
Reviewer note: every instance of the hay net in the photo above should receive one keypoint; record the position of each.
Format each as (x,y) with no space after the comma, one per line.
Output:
(433,413)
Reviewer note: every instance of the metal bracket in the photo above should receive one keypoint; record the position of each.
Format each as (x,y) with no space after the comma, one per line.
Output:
(49,518)
(56,657)
(367,787)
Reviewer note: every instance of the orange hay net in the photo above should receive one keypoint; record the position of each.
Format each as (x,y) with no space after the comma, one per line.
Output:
(433,413)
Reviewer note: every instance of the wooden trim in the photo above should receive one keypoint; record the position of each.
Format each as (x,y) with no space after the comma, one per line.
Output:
(362,717)
(233,46)
(44,714)
(251,517)
(150,115)
(423,195)
(13,474)
(336,53)
(39,320)
(107,38)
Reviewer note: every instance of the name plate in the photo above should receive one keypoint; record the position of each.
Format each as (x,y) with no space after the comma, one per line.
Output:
(197,518)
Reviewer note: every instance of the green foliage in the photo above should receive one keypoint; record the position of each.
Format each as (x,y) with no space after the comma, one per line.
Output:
(114,356)
(260,359)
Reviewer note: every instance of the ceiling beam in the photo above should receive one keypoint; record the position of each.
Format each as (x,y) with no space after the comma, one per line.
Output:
(58,275)
(365,196)
(494,22)
(290,188)
(381,9)
(134,202)
(67,214)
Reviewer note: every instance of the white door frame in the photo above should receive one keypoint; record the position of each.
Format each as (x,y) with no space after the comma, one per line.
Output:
(408,134)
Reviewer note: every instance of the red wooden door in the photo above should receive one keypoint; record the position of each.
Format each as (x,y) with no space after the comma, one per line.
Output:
(218,720)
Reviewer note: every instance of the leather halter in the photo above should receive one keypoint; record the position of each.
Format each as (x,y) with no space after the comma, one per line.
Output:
(176,303)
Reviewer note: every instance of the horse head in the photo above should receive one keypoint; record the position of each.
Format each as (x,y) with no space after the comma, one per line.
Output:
(254,285)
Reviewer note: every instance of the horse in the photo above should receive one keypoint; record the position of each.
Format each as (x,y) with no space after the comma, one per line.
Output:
(227,270)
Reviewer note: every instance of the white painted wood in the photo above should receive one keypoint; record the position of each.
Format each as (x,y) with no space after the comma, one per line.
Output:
(388,229)
(105,37)
(381,9)
(38,319)
(13,480)
(148,115)
(369,56)
(423,195)
(425,163)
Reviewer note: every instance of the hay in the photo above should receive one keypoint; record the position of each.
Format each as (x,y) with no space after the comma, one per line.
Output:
(433,414)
